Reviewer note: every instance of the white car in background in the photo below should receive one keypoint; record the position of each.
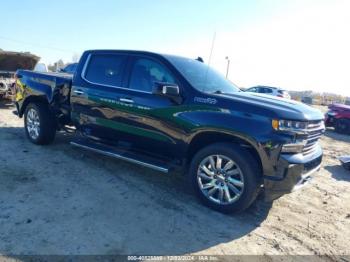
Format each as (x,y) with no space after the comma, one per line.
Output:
(268,90)
(41,67)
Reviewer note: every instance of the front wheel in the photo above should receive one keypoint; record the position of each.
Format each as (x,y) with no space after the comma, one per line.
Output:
(39,124)
(225,177)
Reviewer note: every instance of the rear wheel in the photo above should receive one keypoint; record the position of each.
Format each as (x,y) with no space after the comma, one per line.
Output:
(39,124)
(225,178)
(342,126)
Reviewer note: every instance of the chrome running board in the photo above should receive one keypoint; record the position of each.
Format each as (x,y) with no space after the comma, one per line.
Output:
(123,155)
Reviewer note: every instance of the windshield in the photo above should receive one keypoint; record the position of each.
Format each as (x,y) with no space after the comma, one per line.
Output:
(202,77)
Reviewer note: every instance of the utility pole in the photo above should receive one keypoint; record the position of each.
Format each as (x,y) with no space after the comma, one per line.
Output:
(228,65)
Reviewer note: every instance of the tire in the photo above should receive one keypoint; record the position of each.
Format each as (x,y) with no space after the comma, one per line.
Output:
(342,126)
(246,184)
(39,124)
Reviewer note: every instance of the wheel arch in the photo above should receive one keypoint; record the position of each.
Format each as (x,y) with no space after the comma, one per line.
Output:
(203,139)
(31,99)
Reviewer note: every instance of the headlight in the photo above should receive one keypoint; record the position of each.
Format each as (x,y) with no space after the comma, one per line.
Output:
(331,113)
(288,125)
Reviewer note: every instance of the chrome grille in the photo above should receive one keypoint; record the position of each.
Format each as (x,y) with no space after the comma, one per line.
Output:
(315,130)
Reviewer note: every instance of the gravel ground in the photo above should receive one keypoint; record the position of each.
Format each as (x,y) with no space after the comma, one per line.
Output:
(60,200)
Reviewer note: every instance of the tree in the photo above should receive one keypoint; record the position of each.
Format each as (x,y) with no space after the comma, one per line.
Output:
(75,58)
(56,66)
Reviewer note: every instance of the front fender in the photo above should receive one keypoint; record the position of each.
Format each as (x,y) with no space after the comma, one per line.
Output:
(255,130)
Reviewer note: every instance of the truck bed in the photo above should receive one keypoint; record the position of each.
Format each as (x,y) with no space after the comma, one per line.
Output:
(45,75)
(53,87)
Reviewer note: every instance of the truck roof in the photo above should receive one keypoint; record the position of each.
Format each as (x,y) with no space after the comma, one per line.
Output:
(121,51)
(131,52)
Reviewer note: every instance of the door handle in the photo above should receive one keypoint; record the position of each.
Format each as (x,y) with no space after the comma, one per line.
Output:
(126,100)
(78,92)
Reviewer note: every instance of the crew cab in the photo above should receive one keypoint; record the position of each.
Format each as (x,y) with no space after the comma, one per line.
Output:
(173,113)
(338,116)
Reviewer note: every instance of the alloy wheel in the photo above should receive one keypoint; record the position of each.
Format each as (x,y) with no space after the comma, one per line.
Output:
(33,123)
(220,179)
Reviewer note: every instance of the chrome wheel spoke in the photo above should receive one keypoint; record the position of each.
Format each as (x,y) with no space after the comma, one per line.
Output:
(212,162)
(228,165)
(218,162)
(234,189)
(233,172)
(227,194)
(206,170)
(221,194)
(208,185)
(235,182)
(205,176)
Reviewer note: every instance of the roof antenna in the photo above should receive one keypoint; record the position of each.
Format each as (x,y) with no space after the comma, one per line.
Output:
(211,53)
(212,48)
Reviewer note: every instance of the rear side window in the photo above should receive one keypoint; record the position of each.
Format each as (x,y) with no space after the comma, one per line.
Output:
(106,69)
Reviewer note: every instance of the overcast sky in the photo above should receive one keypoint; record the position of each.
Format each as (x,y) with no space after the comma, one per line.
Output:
(296,45)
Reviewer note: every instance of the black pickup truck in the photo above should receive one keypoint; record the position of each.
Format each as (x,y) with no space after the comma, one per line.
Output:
(172,113)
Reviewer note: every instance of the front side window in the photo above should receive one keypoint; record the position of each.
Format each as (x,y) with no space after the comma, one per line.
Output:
(253,89)
(146,73)
(106,69)
(202,77)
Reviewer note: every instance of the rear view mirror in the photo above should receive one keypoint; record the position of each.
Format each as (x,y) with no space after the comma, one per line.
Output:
(171,91)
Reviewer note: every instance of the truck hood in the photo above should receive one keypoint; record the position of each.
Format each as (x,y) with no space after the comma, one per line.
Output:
(339,107)
(12,61)
(275,107)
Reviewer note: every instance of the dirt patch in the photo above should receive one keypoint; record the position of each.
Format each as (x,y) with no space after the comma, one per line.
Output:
(61,200)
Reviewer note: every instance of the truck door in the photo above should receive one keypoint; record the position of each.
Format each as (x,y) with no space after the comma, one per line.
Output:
(149,119)
(112,101)
(96,93)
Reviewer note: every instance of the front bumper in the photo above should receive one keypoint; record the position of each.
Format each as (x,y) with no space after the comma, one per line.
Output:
(295,172)
(329,119)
